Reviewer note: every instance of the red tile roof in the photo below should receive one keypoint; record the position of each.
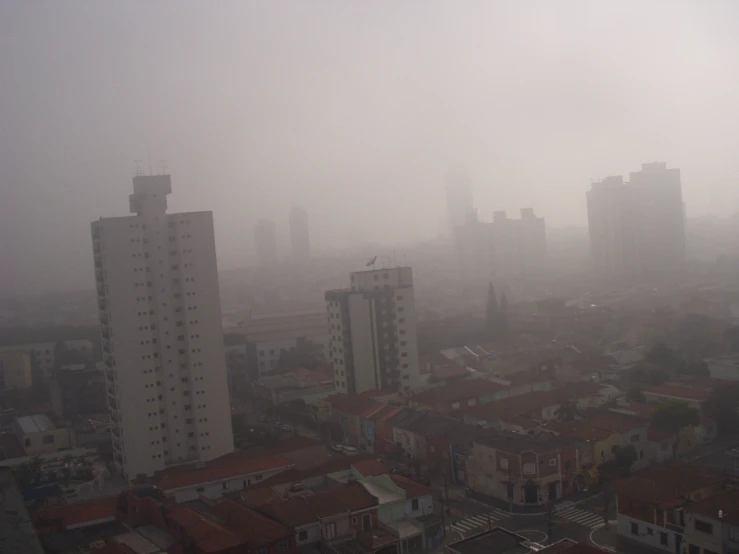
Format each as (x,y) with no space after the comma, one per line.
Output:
(114,549)
(354,497)
(352,405)
(335,464)
(207,535)
(679,391)
(386,412)
(76,514)
(219,471)
(727,502)
(257,529)
(459,391)
(370,467)
(293,512)
(260,496)
(324,505)
(666,484)
(412,488)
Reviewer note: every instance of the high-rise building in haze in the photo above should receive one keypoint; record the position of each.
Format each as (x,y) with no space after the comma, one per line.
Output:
(637,228)
(372,328)
(265,242)
(459,204)
(299,233)
(162,338)
(504,248)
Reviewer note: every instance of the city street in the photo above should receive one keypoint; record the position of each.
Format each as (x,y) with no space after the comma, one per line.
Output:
(569,520)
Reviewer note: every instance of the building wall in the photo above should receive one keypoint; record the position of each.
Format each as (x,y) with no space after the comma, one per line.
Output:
(312,534)
(424,507)
(712,541)
(217,489)
(44,442)
(656,539)
(162,337)
(15,370)
(373,332)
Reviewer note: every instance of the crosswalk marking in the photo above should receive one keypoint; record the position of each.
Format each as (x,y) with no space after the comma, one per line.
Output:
(582,517)
(481,520)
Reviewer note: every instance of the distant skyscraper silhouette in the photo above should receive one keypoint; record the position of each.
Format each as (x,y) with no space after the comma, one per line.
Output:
(162,337)
(265,241)
(637,228)
(459,204)
(299,233)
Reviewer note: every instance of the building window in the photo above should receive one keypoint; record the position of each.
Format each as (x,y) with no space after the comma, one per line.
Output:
(650,531)
(201,489)
(303,535)
(414,504)
(634,528)
(504,463)
(664,539)
(692,549)
(703,526)
(48,439)
(330,530)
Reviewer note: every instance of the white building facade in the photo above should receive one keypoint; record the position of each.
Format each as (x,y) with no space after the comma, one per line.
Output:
(160,312)
(372,328)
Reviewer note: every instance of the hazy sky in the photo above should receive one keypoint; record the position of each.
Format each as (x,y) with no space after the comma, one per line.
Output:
(354,109)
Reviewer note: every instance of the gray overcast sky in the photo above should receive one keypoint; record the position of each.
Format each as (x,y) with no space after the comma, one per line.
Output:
(354,109)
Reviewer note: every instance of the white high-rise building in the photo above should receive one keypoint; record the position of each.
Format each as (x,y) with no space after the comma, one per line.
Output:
(372,328)
(160,312)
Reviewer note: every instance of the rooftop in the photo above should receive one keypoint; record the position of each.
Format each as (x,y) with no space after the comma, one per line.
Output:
(412,488)
(726,503)
(72,515)
(674,390)
(216,472)
(516,444)
(258,530)
(352,405)
(293,512)
(34,424)
(457,391)
(206,534)
(666,484)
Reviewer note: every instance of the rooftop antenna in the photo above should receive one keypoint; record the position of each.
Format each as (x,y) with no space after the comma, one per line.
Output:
(163,166)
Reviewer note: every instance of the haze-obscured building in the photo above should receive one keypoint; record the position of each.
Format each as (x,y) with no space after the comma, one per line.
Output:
(372,326)
(637,228)
(299,233)
(160,315)
(265,242)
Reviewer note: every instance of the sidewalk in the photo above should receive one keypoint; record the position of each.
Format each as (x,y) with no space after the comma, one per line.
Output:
(608,540)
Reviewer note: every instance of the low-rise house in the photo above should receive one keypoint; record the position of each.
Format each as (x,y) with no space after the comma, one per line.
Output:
(348,414)
(37,434)
(296,513)
(521,470)
(650,504)
(375,429)
(214,479)
(712,524)
(299,385)
(448,398)
(670,392)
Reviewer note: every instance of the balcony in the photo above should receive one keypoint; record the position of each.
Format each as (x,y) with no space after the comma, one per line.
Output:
(107,347)
(106,332)
(101,290)
(104,320)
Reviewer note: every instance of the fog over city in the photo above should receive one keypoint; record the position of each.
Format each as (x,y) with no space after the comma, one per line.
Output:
(354,110)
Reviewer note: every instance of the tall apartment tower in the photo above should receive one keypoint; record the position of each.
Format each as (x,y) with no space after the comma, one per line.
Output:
(637,228)
(372,327)
(265,241)
(459,204)
(299,233)
(162,338)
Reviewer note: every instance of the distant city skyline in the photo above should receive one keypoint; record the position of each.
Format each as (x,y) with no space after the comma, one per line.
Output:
(362,135)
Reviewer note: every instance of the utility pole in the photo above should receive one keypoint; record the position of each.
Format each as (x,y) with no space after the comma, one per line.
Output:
(446,492)
(549,522)
(606,503)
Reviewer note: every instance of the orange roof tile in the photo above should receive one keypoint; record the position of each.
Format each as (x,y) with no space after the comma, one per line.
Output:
(673,390)
(412,488)
(457,391)
(370,467)
(207,535)
(76,514)
(219,472)
(257,529)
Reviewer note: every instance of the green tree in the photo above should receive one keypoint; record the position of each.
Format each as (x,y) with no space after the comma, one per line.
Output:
(635,395)
(625,457)
(662,355)
(696,368)
(672,417)
(568,411)
(723,407)
(306,354)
